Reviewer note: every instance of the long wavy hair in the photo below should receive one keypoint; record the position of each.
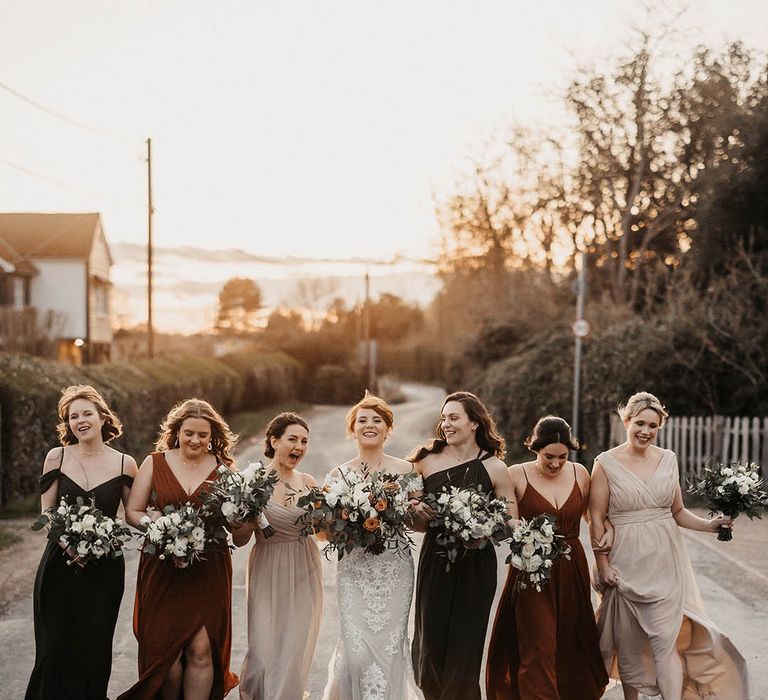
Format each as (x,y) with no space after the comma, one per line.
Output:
(112,426)
(487,434)
(222,438)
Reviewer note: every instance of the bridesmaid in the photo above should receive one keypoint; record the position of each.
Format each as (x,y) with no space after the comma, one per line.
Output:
(544,644)
(76,607)
(284,579)
(182,616)
(452,607)
(654,632)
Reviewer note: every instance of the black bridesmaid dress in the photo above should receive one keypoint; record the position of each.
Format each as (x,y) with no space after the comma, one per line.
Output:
(452,607)
(75,608)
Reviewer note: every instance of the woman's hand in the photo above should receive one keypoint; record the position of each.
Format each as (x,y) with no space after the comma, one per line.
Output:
(179,563)
(607,576)
(72,554)
(720,521)
(153,513)
(604,544)
(420,514)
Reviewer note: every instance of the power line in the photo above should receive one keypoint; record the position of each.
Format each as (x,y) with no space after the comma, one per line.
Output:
(63,117)
(61,183)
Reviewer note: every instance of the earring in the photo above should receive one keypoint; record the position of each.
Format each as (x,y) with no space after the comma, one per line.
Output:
(176,441)
(210,447)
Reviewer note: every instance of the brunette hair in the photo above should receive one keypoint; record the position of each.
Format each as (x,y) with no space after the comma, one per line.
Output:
(112,427)
(222,438)
(550,430)
(487,434)
(277,427)
(373,402)
(639,402)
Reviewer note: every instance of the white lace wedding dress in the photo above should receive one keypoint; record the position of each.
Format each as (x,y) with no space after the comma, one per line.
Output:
(372,660)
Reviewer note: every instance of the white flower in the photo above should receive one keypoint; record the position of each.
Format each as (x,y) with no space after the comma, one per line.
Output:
(529,549)
(88,522)
(76,526)
(228,509)
(62,510)
(744,489)
(517,561)
(175,518)
(331,498)
(82,548)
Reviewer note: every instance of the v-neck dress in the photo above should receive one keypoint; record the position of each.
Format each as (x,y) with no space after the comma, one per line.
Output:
(452,607)
(544,645)
(173,604)
(656,610)
(75,608)
(284,582)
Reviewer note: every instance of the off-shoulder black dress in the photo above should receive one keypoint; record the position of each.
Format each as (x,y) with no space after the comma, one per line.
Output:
(75,608)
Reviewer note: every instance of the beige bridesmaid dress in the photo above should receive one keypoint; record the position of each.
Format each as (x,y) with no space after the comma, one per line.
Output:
(656,610)
(285,603)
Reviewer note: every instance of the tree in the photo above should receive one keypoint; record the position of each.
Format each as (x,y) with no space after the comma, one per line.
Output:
(239,300)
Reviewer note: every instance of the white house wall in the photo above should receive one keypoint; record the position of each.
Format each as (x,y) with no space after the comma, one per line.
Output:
(61,287)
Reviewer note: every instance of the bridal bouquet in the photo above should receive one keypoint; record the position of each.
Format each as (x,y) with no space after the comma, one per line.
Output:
(236,497)
(358,511)
(178,534)
(731,489)
(82,528)
(535,547)
(467,518)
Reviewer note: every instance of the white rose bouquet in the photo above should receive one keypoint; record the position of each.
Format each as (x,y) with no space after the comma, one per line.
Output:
(236,497)
(358,511)
(179,534)
(731,489)
(534,549)
(84,531)
(467,518)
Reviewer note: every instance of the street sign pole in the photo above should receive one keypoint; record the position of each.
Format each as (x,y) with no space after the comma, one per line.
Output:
(580,330)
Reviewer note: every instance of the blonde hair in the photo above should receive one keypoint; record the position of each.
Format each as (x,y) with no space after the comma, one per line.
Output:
(222,438)
(112,427)
(639,402)
(373,402)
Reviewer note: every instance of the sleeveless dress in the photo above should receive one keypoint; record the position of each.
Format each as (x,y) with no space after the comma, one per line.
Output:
(75,608)
(285,604)
(544,645)
(656,610)
(452,607)
(172,604)
(371,660)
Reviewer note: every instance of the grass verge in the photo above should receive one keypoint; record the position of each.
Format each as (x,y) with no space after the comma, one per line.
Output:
(27,507)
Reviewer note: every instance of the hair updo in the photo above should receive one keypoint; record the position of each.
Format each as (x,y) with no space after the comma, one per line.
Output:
(639,402)
(375,403)
(551,430)
(277,427)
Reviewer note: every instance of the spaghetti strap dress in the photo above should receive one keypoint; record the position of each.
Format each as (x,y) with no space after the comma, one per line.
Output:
(544,645)
(75,608)
(173,604)
(452,607)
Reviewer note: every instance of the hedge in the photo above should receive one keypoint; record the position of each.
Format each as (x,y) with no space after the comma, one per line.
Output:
(141,393)
(268,377)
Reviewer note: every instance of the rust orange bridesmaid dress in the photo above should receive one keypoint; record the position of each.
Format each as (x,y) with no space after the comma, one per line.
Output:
(172,604)
(544,645)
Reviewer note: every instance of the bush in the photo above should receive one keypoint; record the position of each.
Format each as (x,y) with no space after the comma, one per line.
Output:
(141,393)
(334,384)
(267,377)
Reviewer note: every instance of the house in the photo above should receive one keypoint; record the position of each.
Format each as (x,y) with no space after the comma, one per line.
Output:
(55,275)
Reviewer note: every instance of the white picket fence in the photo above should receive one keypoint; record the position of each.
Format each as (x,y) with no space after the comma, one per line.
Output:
(697,439)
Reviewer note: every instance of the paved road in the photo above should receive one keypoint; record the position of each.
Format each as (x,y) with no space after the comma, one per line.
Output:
(734,586)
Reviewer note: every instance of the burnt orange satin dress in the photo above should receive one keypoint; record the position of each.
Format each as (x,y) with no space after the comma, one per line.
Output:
(173,604)
(544,645)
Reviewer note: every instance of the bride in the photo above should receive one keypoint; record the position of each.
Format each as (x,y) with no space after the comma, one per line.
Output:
(372,659)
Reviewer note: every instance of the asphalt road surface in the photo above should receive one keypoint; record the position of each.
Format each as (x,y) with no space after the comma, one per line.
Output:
(734,582)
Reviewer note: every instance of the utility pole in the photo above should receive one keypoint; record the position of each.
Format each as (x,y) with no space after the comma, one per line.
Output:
(580,330)
(150,212)
(367,331)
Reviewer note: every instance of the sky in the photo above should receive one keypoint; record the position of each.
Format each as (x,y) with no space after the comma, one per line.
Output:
(287,130)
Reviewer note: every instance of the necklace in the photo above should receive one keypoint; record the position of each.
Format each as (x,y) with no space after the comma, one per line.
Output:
(194,465)
(90,454)
(544,476)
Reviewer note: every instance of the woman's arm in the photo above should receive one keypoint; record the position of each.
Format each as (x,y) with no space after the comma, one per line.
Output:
(504,486)
(49,498)
(419,514)
(604,544)
(138,499)
(241,534)
(684,518)
(599,500)
(129,469)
